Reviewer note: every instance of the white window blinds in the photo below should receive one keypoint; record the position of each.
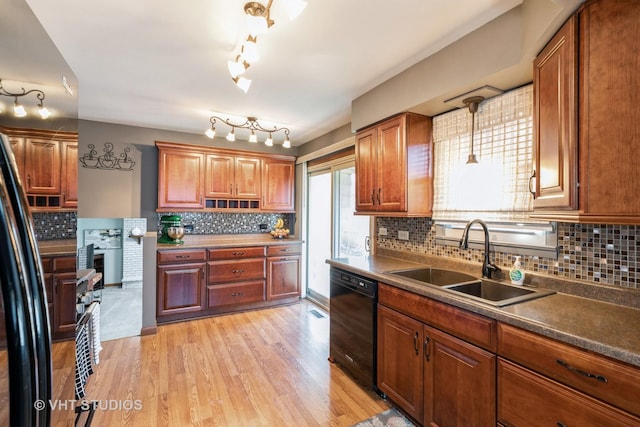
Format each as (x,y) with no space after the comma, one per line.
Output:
(497,188)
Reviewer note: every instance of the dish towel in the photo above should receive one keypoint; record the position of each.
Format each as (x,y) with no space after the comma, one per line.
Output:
(94,312)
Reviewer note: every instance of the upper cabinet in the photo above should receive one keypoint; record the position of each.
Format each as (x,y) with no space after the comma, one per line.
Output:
(181,178)
(48,167)
(196,177)
(394,167)
(586,117)
(278,185)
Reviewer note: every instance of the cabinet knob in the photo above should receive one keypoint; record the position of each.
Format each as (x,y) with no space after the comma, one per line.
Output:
(373,196)
(425,348)
(415,343)
(379,190)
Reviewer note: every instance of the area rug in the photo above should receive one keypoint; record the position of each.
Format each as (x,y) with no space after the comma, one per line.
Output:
(389,418)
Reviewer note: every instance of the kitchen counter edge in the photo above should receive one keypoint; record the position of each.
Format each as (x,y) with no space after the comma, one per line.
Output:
(554,316)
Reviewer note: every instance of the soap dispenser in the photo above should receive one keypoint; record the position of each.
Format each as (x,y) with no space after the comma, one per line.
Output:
(516,274)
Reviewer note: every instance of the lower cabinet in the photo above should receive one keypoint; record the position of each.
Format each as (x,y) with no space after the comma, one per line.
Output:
(436,378)
(207,281)
(62,314)
(180,282)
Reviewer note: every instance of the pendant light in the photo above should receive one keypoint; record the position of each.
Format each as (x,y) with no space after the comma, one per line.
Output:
(472,103)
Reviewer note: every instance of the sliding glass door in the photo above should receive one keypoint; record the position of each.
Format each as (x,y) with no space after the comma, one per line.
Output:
(333,231)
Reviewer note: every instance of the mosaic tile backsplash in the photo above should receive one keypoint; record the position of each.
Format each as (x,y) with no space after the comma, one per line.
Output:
(55,225)
(229,223)
(606,254)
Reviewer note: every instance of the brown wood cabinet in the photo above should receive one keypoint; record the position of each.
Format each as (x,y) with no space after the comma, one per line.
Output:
(586,125)
(232,177)
(388,180)
(283,271)
(69,175)
(181,282)
(48,167)
(202,178)
(528,399)
(611,381)
(62,274)
(181,183)
(278,185)
(236,276)
(436,377)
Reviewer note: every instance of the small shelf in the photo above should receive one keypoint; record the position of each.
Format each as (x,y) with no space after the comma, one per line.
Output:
(44,201)
(232,204)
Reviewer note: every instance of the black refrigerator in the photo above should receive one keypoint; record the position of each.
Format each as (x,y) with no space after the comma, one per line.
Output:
(25,356)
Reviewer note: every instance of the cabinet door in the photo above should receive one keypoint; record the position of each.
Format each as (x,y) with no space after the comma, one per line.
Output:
(69,174)
(391,166)
(42,166)
(366,170)
(219,176)
(278,185)
(181,288)
(17,147)
(247,178)
(555,121)
(283,277)
(400,360)
(64,288)
(459,382)
(180,180)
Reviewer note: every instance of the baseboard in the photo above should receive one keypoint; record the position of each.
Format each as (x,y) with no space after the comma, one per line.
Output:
(149,330)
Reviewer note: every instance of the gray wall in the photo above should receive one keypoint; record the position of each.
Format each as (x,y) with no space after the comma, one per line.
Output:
(134,193)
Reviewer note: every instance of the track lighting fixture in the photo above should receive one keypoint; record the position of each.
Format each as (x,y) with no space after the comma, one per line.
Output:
(258,21)
(253,126)
(18,109)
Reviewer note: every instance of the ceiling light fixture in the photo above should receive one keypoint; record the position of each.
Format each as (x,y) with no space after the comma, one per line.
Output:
(472,103)
(258,21)
(18,109)
(253,126)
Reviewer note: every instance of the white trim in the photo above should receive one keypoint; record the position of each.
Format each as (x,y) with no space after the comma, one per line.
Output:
(337,146)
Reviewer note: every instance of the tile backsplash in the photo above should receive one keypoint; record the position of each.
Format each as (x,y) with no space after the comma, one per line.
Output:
(55,225)
(606,254)
(229,223)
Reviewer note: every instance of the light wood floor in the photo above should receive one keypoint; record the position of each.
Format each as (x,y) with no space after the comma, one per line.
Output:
(260,368)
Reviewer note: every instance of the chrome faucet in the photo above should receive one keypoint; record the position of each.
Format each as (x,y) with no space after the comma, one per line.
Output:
(487,265)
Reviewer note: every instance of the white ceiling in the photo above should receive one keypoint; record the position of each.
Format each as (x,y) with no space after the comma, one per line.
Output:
(163,64)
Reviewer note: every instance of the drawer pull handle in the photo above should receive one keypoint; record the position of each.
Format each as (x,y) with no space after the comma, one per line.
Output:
(580,371)
(183,256)
(237,294)
(560,424)
(238,253)
(415,343)
(237,271)
(425,346)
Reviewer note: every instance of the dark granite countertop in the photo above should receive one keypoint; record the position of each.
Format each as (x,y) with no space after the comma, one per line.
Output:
(228,240)
(603,327)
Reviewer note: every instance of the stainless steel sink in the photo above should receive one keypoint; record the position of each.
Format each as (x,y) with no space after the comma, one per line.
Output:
(435,276)
(498,294)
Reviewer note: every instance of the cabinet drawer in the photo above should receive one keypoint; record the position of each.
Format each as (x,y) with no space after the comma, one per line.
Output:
(276,250)
(236,253)
(236,270)
(529,399)
(182,255)
(64,264)
(611,381)
(47,265)
(460,323)
(235,294)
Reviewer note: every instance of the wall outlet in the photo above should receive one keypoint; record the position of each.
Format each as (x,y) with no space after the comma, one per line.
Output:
(403,235)
(188,228)
(382,231)
(263,226)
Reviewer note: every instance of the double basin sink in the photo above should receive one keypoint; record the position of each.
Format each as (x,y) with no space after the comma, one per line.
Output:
(484,290)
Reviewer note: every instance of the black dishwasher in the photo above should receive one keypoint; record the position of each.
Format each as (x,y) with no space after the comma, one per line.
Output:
(352,325)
